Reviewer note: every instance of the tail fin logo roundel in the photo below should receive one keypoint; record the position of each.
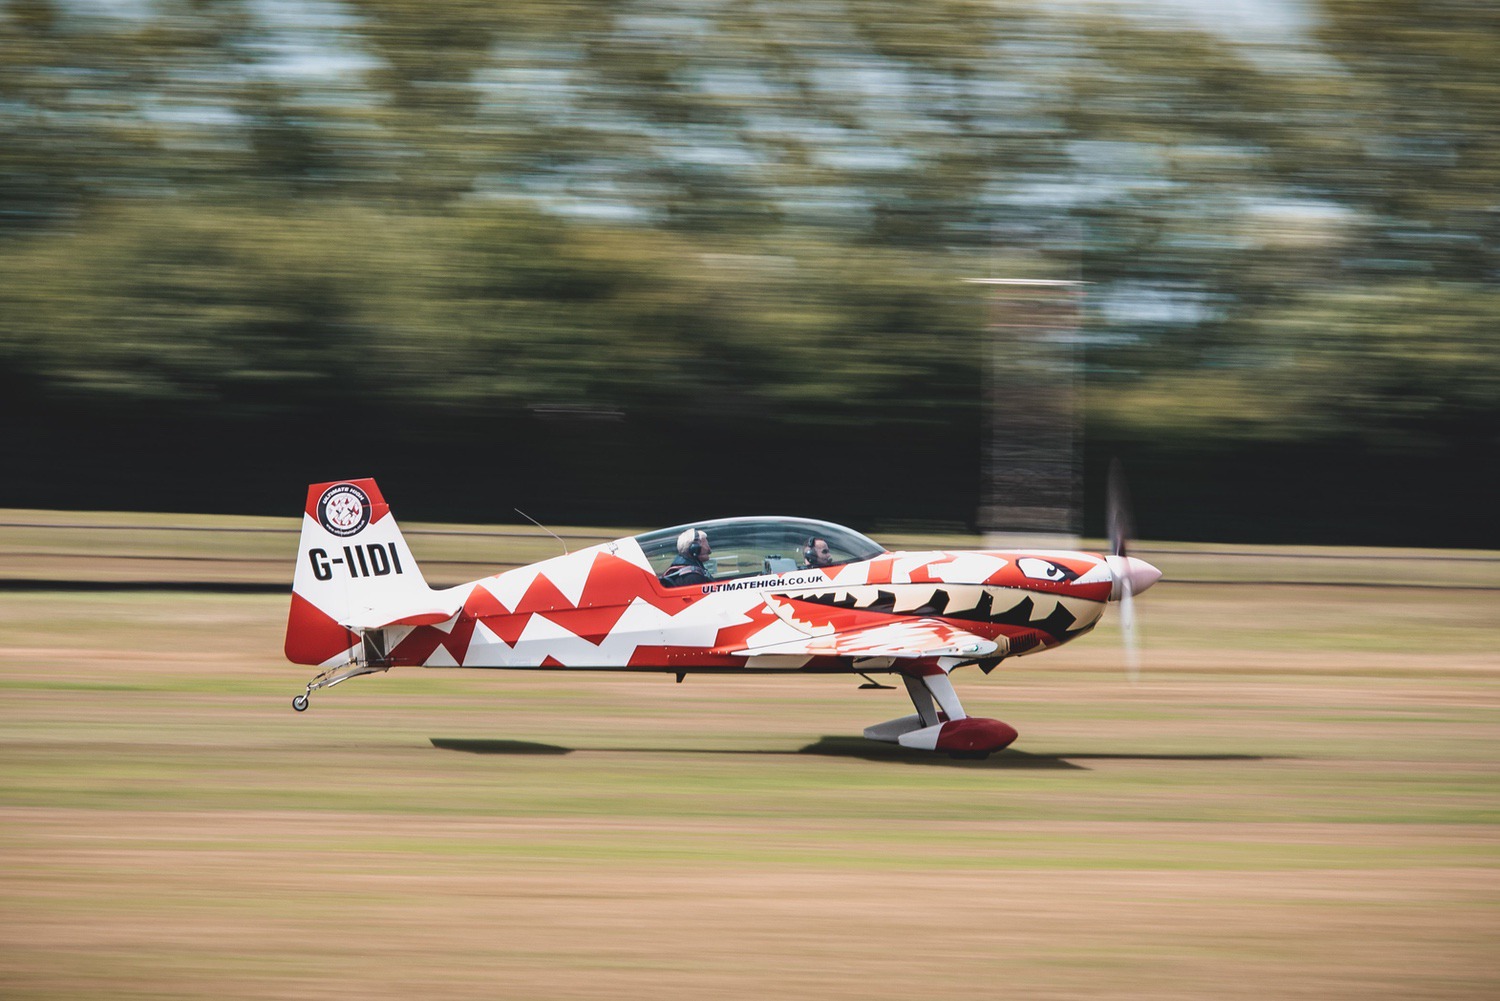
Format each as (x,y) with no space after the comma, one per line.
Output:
(344,510)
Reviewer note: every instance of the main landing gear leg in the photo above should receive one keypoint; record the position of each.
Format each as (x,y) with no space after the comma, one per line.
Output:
(921,700)
(951,729)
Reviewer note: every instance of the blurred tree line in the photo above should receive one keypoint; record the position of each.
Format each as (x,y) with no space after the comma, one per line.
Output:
(638,262)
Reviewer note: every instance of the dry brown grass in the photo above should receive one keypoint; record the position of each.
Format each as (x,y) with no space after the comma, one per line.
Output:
(273,910)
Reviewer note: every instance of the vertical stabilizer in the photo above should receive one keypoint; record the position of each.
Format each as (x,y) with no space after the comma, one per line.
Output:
(354,571)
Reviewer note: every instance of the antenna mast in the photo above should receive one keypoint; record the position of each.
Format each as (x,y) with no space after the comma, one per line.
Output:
(543,528)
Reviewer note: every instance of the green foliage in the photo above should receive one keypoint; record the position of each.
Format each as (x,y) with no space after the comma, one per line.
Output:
(282,303)
(759,208)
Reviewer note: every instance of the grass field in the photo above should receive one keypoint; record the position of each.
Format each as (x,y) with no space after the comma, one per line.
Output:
(1299,800)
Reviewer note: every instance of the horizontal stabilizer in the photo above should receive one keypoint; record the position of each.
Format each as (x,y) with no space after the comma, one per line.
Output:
(431,614)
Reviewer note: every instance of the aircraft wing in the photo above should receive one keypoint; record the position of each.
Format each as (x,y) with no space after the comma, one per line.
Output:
(907,638)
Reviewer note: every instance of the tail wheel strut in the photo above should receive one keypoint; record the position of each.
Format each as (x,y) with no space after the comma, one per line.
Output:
(335,676)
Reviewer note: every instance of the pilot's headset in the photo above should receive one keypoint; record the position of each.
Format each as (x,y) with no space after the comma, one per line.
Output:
(807,550)
(689,544)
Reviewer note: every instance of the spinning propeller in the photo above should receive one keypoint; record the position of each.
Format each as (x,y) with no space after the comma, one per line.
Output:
(1131,575)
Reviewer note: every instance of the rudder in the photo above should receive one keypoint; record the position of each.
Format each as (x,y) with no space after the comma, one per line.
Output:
(354,572)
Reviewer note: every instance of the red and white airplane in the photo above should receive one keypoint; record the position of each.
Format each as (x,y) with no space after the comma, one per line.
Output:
(773,595)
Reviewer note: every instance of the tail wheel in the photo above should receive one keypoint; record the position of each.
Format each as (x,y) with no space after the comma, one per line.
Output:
(299,703)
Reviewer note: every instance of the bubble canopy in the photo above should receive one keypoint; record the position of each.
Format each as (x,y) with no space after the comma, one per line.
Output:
(743,547)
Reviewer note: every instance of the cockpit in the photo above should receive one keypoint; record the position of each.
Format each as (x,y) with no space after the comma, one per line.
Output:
(744,547)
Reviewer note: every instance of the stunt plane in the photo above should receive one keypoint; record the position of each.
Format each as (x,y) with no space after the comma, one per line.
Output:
(729,595)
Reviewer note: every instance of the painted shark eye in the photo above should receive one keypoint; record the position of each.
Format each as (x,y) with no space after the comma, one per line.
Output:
(1045,570)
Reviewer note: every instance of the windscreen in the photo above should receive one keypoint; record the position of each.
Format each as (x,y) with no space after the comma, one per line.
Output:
(742,547)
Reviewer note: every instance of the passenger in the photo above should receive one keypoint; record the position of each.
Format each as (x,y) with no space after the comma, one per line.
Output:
(817,553)
(688,568)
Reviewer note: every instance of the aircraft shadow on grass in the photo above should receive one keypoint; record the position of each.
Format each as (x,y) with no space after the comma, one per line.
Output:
(849,747)
(496,746)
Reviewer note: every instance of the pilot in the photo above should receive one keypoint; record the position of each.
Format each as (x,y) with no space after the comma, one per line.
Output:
(816,552)
(688,568)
